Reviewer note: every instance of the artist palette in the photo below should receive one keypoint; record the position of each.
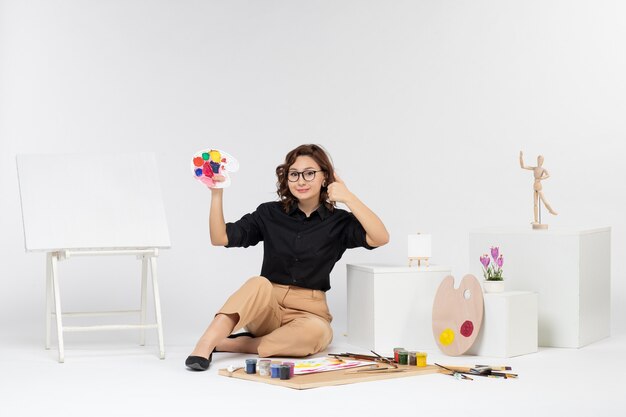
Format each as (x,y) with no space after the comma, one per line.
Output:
(457,314)
(207,163)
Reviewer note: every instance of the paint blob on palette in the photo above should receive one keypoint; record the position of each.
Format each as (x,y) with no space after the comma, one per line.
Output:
(208,163)
(457,314)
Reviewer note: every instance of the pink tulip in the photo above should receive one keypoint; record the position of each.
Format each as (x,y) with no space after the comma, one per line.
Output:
(500,261)
(484,260)
(494,252)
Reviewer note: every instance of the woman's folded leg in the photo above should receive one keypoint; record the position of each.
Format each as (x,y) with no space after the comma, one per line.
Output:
(302,336)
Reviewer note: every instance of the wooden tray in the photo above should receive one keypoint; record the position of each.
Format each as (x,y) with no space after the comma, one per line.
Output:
(325,379)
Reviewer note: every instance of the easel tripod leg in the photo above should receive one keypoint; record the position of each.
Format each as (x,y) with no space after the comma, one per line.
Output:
(48,297)
(144,291)
(57,306)
(157,306)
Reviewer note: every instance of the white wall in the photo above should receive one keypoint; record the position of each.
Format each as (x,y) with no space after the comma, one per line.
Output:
(423,105)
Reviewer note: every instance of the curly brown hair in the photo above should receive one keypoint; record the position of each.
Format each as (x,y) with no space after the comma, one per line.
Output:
(322,158)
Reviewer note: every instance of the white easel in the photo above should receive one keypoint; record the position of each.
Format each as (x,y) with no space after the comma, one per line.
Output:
(114,210)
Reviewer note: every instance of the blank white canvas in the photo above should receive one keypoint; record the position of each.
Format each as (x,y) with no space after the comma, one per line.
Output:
(78,201)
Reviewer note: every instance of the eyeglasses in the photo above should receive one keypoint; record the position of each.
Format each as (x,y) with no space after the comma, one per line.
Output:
(308,175)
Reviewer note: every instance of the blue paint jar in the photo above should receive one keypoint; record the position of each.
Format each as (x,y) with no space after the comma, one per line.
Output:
(275,370)
(251,366)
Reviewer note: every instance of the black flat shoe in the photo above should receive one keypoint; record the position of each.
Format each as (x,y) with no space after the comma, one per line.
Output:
(198,363)
(236,335)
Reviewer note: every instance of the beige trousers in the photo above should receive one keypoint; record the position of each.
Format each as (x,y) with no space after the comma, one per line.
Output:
(291,321)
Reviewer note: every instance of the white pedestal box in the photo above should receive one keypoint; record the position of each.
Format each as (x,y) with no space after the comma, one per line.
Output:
(391,306)
(569,269)
(509,325)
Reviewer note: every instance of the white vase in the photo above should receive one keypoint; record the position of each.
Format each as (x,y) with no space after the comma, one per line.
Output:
(491,287)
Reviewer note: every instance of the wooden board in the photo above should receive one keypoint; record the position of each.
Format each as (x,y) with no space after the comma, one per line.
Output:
(325,379)
(77,201)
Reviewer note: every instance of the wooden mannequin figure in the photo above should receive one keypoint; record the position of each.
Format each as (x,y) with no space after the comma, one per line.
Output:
(540,174)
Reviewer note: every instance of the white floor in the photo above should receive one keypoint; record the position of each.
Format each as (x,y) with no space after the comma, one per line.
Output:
(124,380)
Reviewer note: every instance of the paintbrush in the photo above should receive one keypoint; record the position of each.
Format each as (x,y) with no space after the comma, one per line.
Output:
(495,368)
(504,375)
(470,370)
(480,371)
(364,356)
(455,374)
(385,360)
(357,356)
(376,370)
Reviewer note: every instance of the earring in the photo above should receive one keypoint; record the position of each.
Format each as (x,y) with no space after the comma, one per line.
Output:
(324,184)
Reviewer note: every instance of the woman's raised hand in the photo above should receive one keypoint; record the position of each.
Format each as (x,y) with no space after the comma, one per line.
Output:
(338,192)
(217,179)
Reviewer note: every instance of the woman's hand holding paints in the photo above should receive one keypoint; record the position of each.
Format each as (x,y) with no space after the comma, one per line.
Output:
(212,167)
(217,179)
(216,185)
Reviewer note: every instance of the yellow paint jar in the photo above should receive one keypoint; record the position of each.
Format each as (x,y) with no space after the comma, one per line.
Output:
(421,359)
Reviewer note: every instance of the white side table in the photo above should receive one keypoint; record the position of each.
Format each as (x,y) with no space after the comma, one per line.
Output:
(570,269)
(509,325)
(391,306)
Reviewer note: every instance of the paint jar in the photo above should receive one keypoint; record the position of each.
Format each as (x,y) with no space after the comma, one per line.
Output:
(275,370)
(395,353)
(284,371)
(403,357)
(264,367)
(421,359)
(292,367)
(412,360)
(251,366)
